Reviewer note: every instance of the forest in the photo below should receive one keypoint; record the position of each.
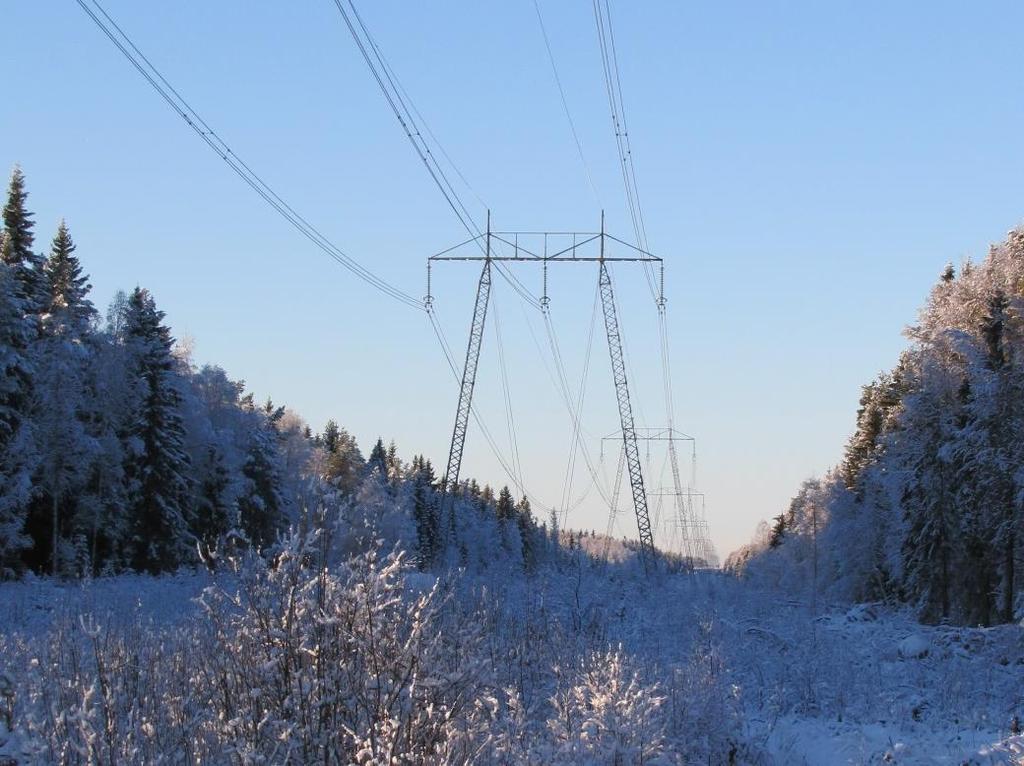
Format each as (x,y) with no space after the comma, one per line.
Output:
(926,508)
(119,454)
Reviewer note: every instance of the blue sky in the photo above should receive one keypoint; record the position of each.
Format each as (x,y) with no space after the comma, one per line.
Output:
(806,169)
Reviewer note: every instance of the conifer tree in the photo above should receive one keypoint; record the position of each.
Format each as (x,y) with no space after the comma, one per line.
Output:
(394,464)
(214,516)
(158,465)
(58,407)
(16,451)
(17,247)
(1001,424)
(261,509)
(778,533)
(345,464)
(425,511)
(484,497)
(504,510)
(378,460)
(331,436)
(69,311)
(929,499)
(527,533)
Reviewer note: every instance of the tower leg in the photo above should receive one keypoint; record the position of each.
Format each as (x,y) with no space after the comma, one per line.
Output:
(632,452)
(476,336)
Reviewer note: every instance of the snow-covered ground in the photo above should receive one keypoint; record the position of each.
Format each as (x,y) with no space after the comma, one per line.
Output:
(742,675)
(848,686)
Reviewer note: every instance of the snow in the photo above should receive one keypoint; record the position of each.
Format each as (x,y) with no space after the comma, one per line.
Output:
(913,647)
(701,668)
(813,741)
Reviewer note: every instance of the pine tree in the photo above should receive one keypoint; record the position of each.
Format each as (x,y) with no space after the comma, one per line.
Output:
(506,506)
(157,462)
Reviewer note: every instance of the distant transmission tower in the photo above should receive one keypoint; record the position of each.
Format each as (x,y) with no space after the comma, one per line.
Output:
(688,521)
(581,250)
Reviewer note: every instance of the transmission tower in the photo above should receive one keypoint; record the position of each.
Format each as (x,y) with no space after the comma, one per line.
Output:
(695,544)
(581,250)
(694,525)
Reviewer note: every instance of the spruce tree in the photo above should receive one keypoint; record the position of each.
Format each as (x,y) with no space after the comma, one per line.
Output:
(69,311)
(425,512)
(1003,453)
(331,436)
(17,456)
(59,409)
(929,496)
(505,509)
(378,460)
(778,533)
(394,464)
(527,533)
(214,515)
(158,465)
(261,508)
(17,247)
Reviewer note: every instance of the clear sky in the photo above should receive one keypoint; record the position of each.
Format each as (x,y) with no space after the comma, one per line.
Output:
(806,170)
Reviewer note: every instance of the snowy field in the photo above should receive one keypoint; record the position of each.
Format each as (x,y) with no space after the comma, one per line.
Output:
(713,671)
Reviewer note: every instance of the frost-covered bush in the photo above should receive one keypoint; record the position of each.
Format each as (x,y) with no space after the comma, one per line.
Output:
(338,665)
(606,714)
(286,662)
(310,656)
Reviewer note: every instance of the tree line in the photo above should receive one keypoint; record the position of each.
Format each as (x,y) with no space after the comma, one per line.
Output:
(118,453)
(927,505)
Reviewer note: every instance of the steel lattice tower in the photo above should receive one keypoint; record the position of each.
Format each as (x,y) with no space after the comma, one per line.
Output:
(580,242)
(636,478)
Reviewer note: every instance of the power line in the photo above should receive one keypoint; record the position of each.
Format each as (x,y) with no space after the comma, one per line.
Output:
(616,105)
(405,112)
(508,469)
(195,121)
(613,87)
(565,104)
(198,124)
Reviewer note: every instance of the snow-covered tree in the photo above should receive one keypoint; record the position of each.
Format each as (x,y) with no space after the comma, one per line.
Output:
(17,454)
(69,313)
(17,248)
(157,465)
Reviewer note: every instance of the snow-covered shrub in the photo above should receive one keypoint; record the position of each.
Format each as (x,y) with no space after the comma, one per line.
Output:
(337,665)
(606,714)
